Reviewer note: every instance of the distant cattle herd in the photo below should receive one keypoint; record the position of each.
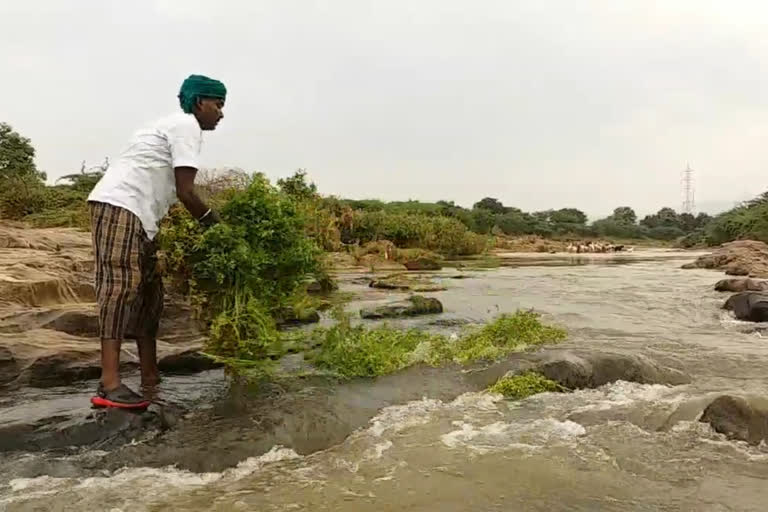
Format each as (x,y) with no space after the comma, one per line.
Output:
(579,247)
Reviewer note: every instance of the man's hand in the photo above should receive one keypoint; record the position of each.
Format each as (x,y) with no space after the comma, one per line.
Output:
(209,218)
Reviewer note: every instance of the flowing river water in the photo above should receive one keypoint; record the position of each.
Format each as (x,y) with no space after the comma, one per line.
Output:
(620,447)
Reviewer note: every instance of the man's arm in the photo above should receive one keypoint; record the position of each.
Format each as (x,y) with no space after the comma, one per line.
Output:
(185,191)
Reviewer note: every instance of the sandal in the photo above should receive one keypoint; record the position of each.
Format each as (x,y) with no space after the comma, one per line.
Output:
(122,397)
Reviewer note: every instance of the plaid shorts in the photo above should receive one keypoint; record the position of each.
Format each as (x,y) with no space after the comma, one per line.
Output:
(129,289)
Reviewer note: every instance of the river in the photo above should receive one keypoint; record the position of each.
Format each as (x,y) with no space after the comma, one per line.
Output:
(621,447)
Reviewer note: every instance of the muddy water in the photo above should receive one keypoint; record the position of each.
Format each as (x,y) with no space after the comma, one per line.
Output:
(621,447)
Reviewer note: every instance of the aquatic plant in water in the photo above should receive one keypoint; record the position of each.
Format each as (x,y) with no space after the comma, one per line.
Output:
(508,333)
(524,385)
(355,351)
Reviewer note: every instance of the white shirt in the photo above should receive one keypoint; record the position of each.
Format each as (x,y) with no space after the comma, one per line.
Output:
(141,179)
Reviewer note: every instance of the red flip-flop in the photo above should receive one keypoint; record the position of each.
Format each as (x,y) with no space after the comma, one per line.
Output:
(121,398)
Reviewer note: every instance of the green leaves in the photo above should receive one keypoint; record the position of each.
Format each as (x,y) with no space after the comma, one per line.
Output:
(244,269)
(354,351)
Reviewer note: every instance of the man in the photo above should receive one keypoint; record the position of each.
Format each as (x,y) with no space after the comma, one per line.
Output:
(127,205)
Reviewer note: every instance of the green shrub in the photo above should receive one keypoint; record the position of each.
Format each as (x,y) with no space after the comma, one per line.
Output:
(665,233)
(619,229)
(748,221)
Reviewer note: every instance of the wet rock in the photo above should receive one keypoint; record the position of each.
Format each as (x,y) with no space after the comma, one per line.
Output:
(423,263)
(741,285)
(340,260)
(186,361)
(406,282)
(377,262)
(298,317)
(414,306)
(322,285)
(391,283)
(737,419)
(739,258)
(748,306)
(592,370)
(449,322)
(45,358)
(107,427)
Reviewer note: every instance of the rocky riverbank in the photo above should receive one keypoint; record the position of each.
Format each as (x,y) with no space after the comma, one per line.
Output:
(739,258)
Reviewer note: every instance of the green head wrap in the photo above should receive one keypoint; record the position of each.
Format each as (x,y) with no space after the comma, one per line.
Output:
(199,86)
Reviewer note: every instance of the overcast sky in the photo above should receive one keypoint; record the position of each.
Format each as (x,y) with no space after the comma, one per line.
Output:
(540,103)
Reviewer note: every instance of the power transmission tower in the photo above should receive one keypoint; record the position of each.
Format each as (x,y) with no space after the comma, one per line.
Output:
(689,201)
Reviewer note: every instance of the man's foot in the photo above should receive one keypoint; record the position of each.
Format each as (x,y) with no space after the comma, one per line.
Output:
(150,392)
(151,380)
(122,397)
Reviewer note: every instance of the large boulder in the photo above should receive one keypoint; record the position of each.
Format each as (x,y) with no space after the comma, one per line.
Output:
(291,316)
(591,370)
(423,263)
(377,262)
(749,306)
(740,258)
(741,285)
(737,419)
(414,306)
(406,282)
(340,260)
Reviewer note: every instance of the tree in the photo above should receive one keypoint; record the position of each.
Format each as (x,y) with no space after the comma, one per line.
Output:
(702,219)
(87,178)
(624,215)
(610,227)
(568,216)
(483,221)
(297,187)
(490,204)
(17,156)
(666,217)
(516,222)
(22,188)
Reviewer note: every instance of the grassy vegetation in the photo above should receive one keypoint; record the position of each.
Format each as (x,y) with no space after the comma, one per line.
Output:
(748,221)
(356,351)
(524,385)
(508,333)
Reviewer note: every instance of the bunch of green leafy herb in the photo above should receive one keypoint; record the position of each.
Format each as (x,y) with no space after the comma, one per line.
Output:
(245,269)
(356,351)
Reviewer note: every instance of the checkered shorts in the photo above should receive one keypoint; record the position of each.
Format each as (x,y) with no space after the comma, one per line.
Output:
(129,289)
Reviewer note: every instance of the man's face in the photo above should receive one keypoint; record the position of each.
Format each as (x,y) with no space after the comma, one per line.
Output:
(209,112)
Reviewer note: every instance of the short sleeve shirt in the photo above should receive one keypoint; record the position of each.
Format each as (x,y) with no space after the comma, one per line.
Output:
(142,178)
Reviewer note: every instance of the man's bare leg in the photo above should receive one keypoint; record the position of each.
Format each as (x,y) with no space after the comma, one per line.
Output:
(110,364)
(150,374)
